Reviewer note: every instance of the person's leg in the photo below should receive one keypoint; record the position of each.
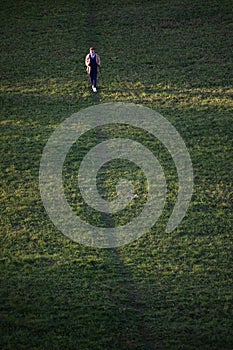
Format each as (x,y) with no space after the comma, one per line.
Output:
(94,79)
(91,78)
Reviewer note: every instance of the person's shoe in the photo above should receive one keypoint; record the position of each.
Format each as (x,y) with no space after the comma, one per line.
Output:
(94,89)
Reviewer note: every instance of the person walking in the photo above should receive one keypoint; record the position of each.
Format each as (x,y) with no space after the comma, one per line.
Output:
(92,61)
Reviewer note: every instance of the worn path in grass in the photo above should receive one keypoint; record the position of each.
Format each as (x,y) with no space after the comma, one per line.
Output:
(143,336)
(144,332)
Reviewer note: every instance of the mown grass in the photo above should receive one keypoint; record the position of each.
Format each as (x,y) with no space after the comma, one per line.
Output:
(164,291)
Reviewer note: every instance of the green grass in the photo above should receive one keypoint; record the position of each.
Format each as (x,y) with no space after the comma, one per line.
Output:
(163,291)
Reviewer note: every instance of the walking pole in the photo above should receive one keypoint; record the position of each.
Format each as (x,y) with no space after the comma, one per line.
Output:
(89,77)
(100,76)
(88,73)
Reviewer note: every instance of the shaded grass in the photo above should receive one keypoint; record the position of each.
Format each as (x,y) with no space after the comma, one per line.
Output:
(175,287)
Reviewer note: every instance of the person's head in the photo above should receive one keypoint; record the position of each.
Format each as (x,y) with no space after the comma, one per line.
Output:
(92,50)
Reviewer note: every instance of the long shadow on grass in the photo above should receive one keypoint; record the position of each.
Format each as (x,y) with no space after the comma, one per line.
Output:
(88,303)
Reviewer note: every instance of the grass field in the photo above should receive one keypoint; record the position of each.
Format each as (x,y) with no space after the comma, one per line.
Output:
(165,291)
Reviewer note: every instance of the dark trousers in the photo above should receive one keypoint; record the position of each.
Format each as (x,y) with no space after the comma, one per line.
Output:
(93,77)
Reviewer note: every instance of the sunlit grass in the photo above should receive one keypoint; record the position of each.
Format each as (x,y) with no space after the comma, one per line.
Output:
(174,289)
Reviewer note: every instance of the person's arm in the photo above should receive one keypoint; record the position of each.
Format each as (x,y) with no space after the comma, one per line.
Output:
(87,60)
(98,60)
(87,63)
